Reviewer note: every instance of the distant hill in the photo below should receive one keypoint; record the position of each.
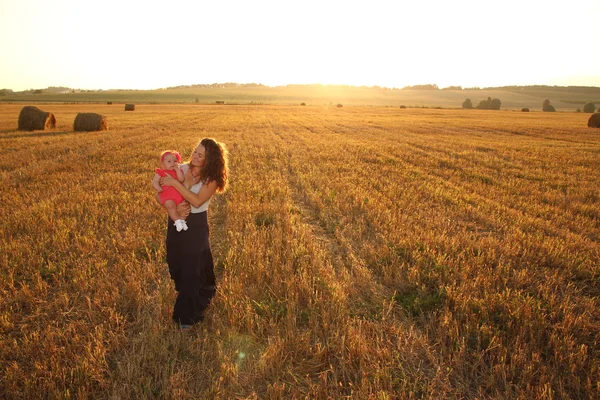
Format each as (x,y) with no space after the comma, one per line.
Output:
(563,98)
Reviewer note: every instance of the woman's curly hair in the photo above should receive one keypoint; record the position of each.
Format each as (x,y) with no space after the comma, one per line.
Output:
(215,164)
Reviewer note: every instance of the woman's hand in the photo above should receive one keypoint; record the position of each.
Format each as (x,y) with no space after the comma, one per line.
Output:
(183,209)
(167,180)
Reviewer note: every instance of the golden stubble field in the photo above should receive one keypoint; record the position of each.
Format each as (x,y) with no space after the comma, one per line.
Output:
(360,253)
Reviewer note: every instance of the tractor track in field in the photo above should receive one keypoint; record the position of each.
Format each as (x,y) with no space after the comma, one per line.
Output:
(362,286)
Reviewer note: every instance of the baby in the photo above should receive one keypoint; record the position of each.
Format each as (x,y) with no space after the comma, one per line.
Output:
(169,196)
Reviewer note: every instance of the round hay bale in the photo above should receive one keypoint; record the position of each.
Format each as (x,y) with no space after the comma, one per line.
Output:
(90,122)
(594,121)
(129,107)
(340,105)
(525,109)
(33,119)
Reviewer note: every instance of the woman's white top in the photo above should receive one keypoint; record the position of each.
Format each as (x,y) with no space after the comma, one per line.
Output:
(195,189)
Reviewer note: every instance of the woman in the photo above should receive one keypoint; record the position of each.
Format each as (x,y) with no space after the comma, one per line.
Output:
(188,252)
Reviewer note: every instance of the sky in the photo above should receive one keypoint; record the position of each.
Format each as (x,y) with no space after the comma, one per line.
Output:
(131,44)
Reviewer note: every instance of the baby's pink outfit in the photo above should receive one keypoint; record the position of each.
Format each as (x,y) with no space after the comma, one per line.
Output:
(169,192)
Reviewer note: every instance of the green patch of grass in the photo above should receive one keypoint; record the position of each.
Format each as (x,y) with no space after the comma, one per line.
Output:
(264,220)
(419,302)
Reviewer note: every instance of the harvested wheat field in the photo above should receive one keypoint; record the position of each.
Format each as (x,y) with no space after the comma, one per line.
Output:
(361,252)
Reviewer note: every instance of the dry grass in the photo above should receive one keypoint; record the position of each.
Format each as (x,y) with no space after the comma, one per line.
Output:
(361,253)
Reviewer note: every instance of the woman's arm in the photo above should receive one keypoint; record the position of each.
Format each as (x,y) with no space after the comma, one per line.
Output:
(155,183)
(196,200)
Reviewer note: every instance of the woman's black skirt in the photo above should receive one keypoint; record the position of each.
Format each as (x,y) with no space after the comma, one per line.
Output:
(191,267)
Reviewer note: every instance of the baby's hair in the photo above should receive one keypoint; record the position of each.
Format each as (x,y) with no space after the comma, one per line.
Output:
(167,152)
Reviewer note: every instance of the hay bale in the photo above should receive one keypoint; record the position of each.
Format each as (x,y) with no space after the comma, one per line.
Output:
(129,107)
(220,101)
(90,122)
(33,119)
(340,105)
(525,109)
(594,121)
(109,103)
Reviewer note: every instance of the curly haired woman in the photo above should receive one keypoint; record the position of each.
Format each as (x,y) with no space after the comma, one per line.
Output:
(188,253)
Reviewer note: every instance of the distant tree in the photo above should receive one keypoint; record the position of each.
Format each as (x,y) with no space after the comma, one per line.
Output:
(421,87)
(453,88)
(467,104)
(483,104)
(495,104)
(489,104)
(589,107)
(547,107)
(197,100)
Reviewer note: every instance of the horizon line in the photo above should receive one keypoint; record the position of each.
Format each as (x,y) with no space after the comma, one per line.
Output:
(430,86)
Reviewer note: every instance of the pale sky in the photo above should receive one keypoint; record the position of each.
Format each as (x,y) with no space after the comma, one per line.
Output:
(131,44)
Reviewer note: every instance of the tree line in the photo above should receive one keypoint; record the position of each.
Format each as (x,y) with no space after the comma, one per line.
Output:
(494,104)
(489,104)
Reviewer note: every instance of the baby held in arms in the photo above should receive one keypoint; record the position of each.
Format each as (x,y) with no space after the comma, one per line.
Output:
(169,196)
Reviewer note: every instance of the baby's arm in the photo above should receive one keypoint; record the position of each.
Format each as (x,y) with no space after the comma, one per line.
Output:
(179,172)
(155,183)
